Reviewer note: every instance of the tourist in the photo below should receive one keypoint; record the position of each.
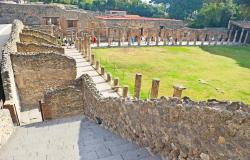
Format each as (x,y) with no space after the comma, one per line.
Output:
(94,39)
(65,41)
(133,40)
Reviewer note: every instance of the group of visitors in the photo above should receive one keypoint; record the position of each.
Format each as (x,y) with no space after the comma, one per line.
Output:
(143,39)
(66,41)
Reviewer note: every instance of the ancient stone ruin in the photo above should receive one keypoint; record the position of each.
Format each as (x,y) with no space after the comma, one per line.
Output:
(43,79)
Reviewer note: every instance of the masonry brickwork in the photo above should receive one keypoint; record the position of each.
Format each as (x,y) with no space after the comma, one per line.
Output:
(63,102)
(40,48)
(35,73)
(40,34)
(178,129)
(26,38)
(35,14)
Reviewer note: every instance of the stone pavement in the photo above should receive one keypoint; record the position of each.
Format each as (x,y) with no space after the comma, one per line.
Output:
(84,67)
(74,138)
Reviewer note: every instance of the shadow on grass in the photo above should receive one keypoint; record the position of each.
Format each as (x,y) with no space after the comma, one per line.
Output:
(241,54)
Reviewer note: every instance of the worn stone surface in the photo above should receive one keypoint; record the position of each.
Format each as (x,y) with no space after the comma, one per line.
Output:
(32,47)
(74,138)
(40,34)
(176,128)
(6,126)
(38,72)
(26,38)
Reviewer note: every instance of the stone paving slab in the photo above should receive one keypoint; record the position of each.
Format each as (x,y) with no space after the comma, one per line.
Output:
(74,138)
(84,67)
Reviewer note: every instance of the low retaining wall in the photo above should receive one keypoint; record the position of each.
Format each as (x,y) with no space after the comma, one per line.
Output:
(35,73)
(6,126)
(178,129)
(63,102)
(25,38)
(40,34)
(32,47)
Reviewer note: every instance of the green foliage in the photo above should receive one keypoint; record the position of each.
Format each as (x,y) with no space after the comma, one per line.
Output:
(214,15)
(181,9)
(133,7)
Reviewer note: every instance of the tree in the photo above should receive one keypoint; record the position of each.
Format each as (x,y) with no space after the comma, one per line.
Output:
(180,9)
(214,15)
(244,10)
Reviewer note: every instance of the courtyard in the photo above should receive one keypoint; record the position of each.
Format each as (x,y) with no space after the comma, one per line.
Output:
(211,72)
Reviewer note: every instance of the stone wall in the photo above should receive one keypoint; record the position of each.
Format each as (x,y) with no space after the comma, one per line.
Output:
(178,129)
(32,47)
(26,38)
(40,34)
(35,14)
(63,102)
(7,75)
(6,126)
(38,72)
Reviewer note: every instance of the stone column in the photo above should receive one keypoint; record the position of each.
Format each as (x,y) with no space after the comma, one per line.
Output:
(109,38)
(216,39)
(109,77)
(116,81)
(102,71)
(119,34)
(203,39)
(137,89)
(125,91)
(98,38)
(235,36)
(173,37)
(181,37)
(97,65)
(157,38)
(148,38)
(229,36)
(82,42)
(246,37)
(76,44)
(178,91)
(209,39)
(80,45)
(85,46)
(155,88)
(129,37)
(195,38)
(165,38)
(139,40)
(92,59)
(188,39)
(241,35)
(222,39)
(89,48)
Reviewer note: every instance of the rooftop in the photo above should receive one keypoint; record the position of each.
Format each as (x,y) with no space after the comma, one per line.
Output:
(242,24)
(131,17)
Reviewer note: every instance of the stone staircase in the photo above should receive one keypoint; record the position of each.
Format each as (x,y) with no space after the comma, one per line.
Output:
(84,67)
(74,138)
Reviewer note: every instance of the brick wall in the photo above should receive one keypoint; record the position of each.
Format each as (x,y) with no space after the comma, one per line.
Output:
(38,72)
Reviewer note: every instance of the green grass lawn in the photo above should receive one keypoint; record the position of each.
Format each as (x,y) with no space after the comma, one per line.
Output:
(225,70)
